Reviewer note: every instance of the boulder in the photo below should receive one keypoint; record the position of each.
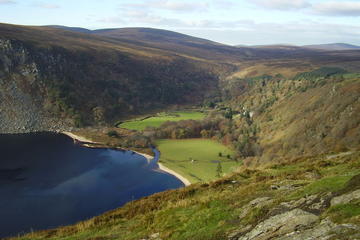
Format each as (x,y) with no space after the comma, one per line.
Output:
(345,198)
(280,225)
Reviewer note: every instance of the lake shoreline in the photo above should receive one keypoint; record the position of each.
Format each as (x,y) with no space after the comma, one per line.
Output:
(184,180)
(92,144)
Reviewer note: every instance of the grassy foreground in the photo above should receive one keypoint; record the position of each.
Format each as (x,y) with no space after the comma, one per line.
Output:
(160,118)
(215,210)
(196,159)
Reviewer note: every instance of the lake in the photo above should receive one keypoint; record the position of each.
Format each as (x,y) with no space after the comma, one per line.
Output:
(46,181)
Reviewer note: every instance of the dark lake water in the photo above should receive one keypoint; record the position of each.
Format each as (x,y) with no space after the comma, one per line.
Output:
(46,181)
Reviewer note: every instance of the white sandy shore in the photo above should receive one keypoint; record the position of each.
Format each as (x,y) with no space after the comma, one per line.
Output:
(147,156)
(168,170)
(78,138)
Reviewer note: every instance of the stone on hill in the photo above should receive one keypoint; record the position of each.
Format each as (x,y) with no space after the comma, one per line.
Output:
(280,225)
(345,198)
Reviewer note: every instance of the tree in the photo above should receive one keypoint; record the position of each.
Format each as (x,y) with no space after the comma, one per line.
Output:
(113,133)
(220,154)
(228,114)
(204,133)
(219,170)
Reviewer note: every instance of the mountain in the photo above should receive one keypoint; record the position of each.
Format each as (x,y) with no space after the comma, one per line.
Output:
(333,46)
(73,29)
(53,78)
(58,77)
(275,46)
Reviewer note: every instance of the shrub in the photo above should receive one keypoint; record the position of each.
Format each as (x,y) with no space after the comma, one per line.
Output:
(113,133)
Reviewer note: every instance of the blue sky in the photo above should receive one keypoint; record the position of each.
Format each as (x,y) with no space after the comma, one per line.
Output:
(249,22)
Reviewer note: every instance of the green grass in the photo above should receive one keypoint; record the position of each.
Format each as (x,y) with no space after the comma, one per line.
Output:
(328,184)
(203,220)
(342,212)
(160,119)
(177,155)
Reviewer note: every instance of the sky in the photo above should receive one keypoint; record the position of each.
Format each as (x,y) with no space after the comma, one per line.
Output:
(235,22)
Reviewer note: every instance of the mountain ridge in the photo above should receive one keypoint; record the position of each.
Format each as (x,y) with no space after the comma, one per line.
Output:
(333,46)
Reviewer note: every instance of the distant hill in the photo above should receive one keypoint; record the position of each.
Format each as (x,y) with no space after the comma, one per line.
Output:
(333,46)
(277,46)
(151,34)
(74,29)
(169,41)
(329,47)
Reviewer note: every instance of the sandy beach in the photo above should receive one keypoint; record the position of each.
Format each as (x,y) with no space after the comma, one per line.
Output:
(77,137)
(149,158)
(168,170)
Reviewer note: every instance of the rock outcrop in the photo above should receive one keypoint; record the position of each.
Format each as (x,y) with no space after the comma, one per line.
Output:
(281,224)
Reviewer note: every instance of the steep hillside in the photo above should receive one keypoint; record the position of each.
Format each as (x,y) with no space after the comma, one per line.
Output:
(48,73)
(176,42)
(57,78)
(311,113)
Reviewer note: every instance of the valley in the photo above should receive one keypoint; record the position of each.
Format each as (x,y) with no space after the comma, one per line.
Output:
(268,136)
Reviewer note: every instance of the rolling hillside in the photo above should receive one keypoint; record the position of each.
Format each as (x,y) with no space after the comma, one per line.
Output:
(289,114)
(56,77)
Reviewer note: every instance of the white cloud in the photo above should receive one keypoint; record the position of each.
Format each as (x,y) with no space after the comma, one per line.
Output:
(223,4)
(147,18)
(282,4)
(300,33)
(7,2)
(171,5)
(338,8)
(142,17)
(46,5)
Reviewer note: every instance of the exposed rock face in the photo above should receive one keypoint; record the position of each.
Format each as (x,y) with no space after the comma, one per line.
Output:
(22,93)
(298,219)
(346,198)
(258,203)
(323,231)
(281,224)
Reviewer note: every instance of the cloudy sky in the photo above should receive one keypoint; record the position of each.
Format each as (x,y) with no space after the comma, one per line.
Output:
(248,22)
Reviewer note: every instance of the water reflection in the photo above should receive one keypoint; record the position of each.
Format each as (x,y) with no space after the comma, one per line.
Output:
(47,181)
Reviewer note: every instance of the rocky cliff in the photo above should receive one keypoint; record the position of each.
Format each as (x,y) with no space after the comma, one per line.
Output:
(23,93)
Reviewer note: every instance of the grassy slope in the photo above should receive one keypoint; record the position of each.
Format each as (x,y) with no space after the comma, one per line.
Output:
(177,155)
(160,119)
(303,116)
(211,211)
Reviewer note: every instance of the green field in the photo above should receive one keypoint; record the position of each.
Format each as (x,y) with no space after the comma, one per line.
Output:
(160,118)
(178,154)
